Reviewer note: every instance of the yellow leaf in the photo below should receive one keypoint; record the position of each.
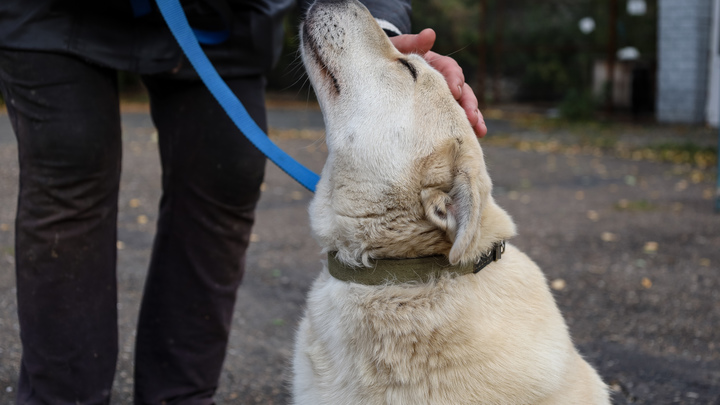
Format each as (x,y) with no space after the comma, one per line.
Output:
(650,247)
(558,284)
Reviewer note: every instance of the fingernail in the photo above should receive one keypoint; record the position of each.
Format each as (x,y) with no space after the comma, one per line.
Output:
(460,88)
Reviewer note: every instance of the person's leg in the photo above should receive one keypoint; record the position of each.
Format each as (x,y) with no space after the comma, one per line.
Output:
(66,118)
(211,183)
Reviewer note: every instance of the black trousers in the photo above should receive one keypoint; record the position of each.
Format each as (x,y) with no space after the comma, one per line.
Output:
(65,114)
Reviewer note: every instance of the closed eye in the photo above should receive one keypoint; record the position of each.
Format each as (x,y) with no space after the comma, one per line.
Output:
(410,67)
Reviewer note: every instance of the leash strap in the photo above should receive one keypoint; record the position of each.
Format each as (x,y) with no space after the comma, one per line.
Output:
(175,18)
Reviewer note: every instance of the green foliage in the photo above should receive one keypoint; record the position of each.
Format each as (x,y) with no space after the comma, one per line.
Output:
(534,44)
(578,106)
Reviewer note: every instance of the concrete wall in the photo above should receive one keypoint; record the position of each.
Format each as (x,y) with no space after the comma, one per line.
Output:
(713,102)
(684,28)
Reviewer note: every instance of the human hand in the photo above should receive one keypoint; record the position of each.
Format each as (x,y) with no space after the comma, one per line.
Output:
(421,44)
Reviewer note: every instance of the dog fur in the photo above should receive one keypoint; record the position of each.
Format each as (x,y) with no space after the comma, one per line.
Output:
(405,177)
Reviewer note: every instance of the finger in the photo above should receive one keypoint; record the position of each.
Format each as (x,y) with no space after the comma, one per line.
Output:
(469,103)
(481,127)
(415,43)
(450,69)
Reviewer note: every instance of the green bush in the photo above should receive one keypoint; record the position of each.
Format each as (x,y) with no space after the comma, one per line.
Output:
(578,106)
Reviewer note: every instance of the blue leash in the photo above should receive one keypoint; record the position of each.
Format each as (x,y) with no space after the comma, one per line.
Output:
(175,18)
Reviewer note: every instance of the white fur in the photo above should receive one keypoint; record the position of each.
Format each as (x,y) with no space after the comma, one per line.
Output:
(405,177)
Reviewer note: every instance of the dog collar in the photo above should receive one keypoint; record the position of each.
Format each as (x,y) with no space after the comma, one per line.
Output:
(398,271)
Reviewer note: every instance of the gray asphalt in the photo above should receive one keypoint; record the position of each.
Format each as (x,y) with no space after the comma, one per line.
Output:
(632,249)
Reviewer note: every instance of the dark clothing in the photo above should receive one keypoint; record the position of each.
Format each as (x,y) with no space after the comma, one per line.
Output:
(58,61)
(66,118)
(108,33)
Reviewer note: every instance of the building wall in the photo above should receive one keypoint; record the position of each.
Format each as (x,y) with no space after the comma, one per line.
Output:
(713,103)
(684,28)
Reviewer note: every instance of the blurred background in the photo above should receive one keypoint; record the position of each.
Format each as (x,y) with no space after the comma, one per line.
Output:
(557,54)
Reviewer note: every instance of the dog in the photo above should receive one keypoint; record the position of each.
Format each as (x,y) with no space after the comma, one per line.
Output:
(405,189)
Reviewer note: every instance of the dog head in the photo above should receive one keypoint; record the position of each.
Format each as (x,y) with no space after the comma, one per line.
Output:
(405,175)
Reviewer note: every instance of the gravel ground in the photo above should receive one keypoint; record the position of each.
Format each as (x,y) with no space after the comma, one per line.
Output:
(631,249)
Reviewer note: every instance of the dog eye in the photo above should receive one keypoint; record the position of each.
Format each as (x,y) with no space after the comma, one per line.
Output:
(410,67)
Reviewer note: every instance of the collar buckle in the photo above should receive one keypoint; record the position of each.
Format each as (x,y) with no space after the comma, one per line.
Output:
(492,256)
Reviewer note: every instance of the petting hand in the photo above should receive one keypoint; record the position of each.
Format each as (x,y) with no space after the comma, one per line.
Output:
(421,44)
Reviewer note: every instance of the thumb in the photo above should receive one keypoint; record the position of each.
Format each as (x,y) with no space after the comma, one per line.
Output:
(415,43)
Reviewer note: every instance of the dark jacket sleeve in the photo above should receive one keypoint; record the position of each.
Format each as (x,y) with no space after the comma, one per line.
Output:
(396,12)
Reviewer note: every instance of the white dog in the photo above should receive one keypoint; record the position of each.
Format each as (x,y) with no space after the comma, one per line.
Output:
(405,179)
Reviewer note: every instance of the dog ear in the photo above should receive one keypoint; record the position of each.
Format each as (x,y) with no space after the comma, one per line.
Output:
(467,204)
(437,205)
(458,211)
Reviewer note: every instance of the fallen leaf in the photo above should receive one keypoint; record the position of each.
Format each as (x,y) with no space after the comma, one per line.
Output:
(593,215)
(142,219)
(646,282)
(696,176)
(134,203)
(705,262)
(608,237)
(120,245)
(4,227)
(681,185)
(650,247)
(558,284)
(254,237)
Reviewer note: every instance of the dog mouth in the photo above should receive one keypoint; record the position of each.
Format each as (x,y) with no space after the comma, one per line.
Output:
(314,49)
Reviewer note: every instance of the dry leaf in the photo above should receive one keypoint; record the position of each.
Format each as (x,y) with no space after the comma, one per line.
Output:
(608,237)
(650,247)
(134,203)
(593,215)
(142,219)
(558,284)
(254,237)
(646,282)
(120,245)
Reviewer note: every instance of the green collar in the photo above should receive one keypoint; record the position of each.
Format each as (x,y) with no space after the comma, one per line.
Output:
(398,271)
